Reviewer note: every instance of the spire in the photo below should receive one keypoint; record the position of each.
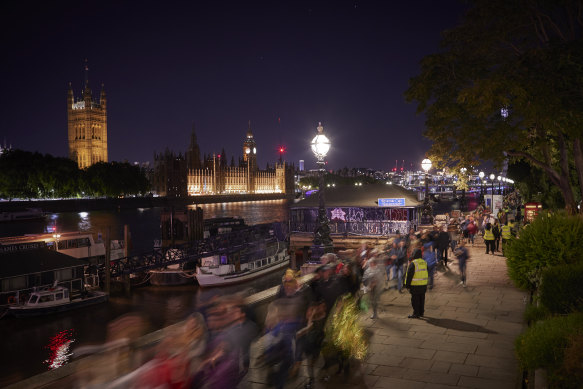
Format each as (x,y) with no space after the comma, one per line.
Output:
(249,132)
(86,74)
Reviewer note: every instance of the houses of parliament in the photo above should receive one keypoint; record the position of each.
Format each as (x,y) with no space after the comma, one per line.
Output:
(87,124)
(174,175)
(189,175)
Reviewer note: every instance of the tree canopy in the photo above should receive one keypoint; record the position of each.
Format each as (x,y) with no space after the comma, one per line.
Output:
(33,175)
(508,84)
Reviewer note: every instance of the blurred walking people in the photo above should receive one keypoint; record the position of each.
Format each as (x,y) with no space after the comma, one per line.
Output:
(416,281)
(472,230)
(462,254)
(442,246)
(429,259)
(506,236)
(285,316)
(373,280)
(497,234)
(399,264)
(231,334)
(454,236)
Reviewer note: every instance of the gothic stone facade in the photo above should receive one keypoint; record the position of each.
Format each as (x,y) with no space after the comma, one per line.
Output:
(87,123)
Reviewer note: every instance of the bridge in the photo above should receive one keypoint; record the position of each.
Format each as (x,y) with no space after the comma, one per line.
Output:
(247,241)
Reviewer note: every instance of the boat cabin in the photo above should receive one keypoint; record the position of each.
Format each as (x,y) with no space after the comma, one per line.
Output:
(49,297)
(25,271)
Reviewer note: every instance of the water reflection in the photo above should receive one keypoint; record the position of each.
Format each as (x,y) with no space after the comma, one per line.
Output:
(59,349)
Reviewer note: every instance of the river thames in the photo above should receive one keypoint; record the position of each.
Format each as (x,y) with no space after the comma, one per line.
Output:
(34,345)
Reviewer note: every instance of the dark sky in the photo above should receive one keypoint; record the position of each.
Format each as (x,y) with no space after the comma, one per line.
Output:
(220,64)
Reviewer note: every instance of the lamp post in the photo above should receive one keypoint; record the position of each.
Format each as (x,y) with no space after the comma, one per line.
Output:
(481,175)
(499,178)
(56,237)
(427,215)
(322,241)
(463,200)
(492,178)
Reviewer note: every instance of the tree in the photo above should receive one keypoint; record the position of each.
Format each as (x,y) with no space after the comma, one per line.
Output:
(508,85)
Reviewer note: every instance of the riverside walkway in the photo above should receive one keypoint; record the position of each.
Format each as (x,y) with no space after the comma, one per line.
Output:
(466,339)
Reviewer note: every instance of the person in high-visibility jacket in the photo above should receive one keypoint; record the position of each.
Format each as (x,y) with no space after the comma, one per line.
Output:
(489,239)
(506,235)
(416,281)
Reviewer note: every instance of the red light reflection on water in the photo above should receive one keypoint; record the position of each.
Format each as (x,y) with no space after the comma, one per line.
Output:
(59,349)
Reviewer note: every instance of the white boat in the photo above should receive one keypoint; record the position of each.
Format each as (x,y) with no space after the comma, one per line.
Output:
(221,270)
(55,299)
(25,215)
(75,244)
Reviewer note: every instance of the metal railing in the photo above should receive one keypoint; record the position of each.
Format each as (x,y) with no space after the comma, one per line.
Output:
(367,228)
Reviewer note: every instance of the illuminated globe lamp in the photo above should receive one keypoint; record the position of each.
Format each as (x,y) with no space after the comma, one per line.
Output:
(427,214)
(481,175)
(499,178)
(492,178)
(463,202)
(322,241)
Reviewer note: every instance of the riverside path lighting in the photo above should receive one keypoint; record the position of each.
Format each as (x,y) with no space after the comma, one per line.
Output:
(481,175)
(56,237)
(492,178)
(463,199)
(499,178)
(427,215)
(322,241)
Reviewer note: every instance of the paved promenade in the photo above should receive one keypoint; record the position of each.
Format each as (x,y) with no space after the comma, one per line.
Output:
(465,340)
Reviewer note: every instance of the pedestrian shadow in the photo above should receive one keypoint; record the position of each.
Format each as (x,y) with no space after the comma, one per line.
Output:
(457,325)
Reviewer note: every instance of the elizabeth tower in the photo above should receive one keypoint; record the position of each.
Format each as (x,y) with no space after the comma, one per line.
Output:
(87,120)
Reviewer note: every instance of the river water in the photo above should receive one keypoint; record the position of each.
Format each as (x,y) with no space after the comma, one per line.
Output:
(34,345)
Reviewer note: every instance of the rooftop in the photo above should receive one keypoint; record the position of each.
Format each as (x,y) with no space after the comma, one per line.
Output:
(360,196)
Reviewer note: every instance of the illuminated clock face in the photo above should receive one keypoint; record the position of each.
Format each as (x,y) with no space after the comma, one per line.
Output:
(247,150)
(254,150)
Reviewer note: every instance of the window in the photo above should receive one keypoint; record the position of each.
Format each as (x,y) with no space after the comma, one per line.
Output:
(47,298)
(59,296)
(33,299)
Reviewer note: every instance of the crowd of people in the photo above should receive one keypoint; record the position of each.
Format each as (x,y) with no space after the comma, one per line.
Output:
(309,320)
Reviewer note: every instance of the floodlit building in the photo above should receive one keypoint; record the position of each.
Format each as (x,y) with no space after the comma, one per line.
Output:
(87,125)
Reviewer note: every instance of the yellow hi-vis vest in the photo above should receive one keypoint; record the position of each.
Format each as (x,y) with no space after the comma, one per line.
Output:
(421,275)
(488,235)
(506,233)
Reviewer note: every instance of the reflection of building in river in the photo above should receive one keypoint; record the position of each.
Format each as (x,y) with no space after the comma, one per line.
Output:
(176,177)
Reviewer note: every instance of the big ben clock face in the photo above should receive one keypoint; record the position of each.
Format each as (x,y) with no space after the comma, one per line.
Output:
(247,150)
(254,150)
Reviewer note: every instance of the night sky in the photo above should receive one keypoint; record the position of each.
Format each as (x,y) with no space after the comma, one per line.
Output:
(284,65)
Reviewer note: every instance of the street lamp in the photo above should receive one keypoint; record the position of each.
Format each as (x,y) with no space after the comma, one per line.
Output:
(499,178)
(427,211)
(56,237)
(492,178)
(322,241)
(481,175)
(463,200)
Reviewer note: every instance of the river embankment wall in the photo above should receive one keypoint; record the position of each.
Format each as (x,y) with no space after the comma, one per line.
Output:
(99,204)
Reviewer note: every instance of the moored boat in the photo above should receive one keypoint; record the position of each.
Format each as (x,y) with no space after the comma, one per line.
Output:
(55,299)
(24,215)
(254,261)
